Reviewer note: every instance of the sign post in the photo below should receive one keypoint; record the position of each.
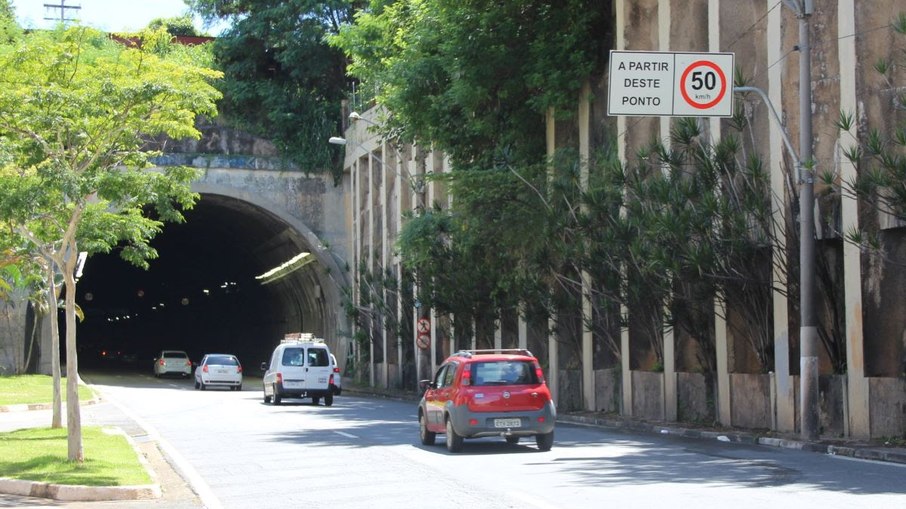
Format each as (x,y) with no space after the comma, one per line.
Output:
(665,84)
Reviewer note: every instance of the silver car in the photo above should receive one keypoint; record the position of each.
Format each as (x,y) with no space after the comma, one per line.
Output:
(219,370)
(172,361)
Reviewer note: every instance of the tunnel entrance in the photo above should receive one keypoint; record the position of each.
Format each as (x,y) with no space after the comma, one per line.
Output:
(232,279)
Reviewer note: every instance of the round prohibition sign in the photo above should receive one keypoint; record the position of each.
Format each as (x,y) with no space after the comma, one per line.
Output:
(424,326)
(703,80)
(423,341)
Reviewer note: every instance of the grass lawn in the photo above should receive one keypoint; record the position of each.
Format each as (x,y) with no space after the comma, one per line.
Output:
(24,389)
(40,454)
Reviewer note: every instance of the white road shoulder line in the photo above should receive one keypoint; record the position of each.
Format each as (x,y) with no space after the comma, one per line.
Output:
(347,435)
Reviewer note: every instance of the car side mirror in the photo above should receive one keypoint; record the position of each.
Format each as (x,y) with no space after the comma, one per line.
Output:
(424,385)
(263,366)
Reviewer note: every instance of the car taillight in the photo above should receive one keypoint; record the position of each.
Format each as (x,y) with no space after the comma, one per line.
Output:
(239,369)
(467,376)
(336,369)
(162,362)
(539,373)
(204,368)
(331,380)
(279,378)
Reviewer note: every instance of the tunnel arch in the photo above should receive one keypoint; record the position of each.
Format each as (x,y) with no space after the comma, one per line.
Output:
(233,235)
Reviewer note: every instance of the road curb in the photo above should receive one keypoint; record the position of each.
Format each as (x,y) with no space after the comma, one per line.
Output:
(865,453)
(42,406)
(78,493)
(83,493)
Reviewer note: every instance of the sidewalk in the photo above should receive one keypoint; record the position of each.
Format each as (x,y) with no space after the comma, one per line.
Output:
(169,491)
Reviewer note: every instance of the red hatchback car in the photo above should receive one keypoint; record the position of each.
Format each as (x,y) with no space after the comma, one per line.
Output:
(483,393)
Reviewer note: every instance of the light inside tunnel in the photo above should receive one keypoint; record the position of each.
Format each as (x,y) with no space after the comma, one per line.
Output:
(285,268)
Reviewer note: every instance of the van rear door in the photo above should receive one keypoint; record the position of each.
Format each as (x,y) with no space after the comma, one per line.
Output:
(318,368)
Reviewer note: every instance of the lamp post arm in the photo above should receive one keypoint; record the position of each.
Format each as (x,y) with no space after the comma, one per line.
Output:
(786,138)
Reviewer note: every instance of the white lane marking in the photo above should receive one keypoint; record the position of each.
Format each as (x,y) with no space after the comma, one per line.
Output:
(347,435)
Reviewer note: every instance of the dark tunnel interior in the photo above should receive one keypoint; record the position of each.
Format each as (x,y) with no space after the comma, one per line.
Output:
(201,294)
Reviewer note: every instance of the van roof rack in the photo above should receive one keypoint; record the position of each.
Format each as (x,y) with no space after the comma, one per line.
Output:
(296,337)
(491,351)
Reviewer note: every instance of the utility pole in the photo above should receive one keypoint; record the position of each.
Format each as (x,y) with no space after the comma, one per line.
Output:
(808,326)
(50,12)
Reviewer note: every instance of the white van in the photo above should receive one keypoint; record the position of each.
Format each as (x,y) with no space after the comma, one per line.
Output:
(300,367)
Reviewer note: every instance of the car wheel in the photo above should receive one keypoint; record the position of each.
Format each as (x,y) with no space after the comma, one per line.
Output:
(545,441)
(267,399)
(203,386)
(328,400)
(196,385)
(512,440)
(239,387)
(276,397)
(454,441)
(315,401)
(427,437)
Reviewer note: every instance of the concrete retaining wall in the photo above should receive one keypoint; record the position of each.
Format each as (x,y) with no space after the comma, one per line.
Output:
(750,396)
(695,398)
(888,407)
(608,389)
(648,395)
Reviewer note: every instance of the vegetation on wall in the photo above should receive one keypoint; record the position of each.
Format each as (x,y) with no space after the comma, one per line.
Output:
(282,81)
(473,78)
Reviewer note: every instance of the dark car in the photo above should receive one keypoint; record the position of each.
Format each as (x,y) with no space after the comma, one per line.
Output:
(482,393)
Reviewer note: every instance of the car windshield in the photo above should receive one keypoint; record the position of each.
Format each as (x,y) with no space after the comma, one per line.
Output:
(504,372)
(222,360)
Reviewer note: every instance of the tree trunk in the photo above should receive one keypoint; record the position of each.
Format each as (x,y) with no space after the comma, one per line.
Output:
(57,419)
(73,417)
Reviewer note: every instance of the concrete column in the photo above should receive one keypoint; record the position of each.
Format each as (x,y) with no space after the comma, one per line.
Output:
(724,415)
(433,316)
(720,324)
(387,172)
(356,171)
(369,193)
(785,405)
(498,334)
(553,353)
(626,373)
(522,327)
(858,420)
(669,401)
(588,358)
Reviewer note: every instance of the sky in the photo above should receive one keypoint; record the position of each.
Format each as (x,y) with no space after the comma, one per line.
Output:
(107,15)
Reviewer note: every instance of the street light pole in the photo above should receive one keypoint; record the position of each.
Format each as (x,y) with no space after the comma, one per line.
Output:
(808,326)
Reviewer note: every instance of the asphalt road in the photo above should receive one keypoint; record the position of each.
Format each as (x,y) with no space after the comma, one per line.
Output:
(364,452)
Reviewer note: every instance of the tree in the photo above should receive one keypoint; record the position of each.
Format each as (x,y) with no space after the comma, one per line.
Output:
(179,25)
(6,10)
(475,78)
(281,79)
(76,110)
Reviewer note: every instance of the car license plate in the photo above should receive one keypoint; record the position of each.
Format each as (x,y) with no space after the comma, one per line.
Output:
(292,385)
(507,423)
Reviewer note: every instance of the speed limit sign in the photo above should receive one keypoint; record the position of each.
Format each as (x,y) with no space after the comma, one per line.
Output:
(704,85)
(664,84)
